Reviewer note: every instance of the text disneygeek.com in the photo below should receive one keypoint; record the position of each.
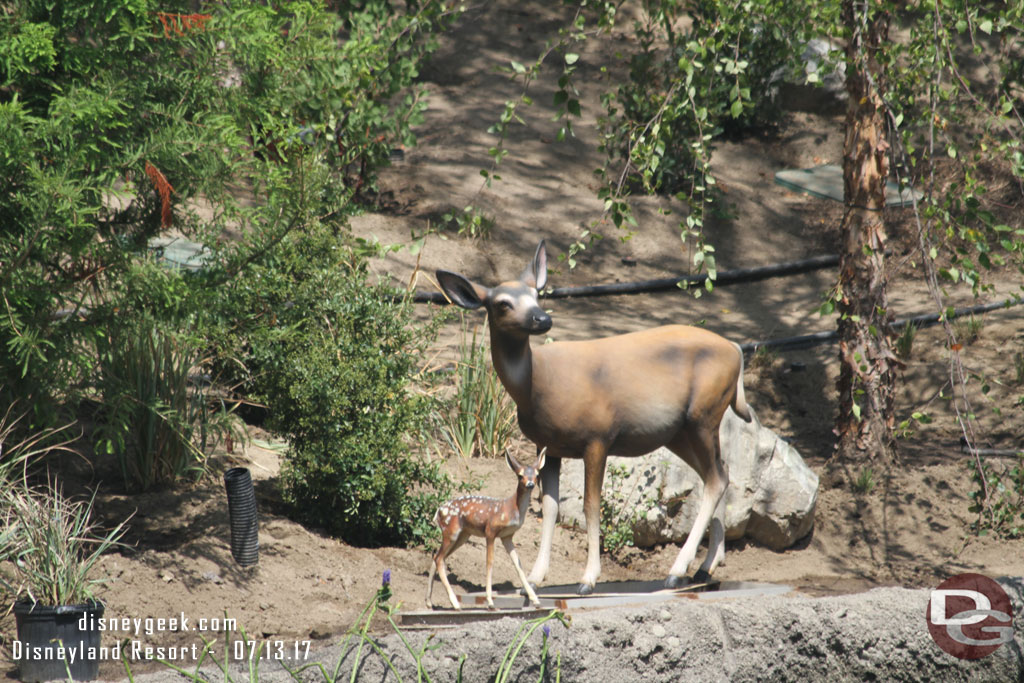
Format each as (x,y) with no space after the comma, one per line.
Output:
(125,640)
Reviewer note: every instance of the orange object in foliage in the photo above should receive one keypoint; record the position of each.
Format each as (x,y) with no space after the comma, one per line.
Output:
(164,189)
(179,23)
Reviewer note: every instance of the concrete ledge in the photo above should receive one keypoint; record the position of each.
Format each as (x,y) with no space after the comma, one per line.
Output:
(877,635)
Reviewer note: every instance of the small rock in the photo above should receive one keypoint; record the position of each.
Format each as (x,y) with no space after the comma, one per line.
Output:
(673,642)
(659,631)
(665,615)
(167,577)
(320,632)
(213,576)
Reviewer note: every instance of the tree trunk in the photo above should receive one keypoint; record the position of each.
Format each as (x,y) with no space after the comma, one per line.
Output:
(868,367)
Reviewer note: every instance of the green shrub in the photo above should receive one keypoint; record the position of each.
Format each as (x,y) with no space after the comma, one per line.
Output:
(334,363)
(620,514)
(997,497)
(689,86)
(236,128)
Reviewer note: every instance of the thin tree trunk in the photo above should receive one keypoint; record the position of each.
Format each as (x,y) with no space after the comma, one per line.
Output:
(868,367)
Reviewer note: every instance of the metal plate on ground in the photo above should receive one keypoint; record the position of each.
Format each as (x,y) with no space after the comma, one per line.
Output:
(827,182)
(564,597)
(442,618)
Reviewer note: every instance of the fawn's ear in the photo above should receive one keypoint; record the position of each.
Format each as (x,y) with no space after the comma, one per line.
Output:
(536,273)
(513,463)
(541,459)
(461,291)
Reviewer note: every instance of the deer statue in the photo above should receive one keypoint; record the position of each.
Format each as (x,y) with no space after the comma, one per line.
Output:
(625,395)
(492,518)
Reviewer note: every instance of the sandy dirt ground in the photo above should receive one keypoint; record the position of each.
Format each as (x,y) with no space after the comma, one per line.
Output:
(911,530)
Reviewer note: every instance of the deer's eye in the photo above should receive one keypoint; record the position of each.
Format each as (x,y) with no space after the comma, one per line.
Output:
(504,306)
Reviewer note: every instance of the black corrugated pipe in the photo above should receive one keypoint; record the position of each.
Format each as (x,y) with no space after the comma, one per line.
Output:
(245,544)
(725,277)
(806,341)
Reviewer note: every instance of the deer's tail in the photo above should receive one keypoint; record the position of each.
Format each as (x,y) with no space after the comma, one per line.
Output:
(739,399)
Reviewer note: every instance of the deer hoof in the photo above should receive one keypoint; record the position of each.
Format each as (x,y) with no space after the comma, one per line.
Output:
(584,589)
(701,577)
(673,582)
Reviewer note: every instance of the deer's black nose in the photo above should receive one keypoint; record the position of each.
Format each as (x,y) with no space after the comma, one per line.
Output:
(540,322)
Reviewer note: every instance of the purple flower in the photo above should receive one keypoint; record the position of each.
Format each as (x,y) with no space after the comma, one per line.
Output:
(386,578)
(546,629)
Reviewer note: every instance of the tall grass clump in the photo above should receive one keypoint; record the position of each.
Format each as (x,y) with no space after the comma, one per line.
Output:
(905,341)
(157,418)
(53,542)
(481,417)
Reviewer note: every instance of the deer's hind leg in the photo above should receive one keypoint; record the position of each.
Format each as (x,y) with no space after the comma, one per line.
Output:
(701,450)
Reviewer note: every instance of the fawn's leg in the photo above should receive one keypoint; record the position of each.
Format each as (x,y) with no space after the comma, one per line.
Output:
(442,570)
(511,548)
(490,565)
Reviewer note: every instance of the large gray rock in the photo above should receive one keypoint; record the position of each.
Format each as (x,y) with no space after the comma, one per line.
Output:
(771,494)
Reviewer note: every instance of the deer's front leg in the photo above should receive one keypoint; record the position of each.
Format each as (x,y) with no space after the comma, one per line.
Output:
(549,505)
(594,460)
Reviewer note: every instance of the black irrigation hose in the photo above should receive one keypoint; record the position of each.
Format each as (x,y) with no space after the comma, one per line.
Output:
(991,452)
(726,277)
(806,341)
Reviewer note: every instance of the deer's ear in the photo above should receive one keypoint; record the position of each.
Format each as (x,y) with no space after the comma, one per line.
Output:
(461,291)
(513,463)
(536,273)
(540,459)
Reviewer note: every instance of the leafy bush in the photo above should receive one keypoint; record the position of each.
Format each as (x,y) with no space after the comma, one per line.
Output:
(620,514)
(334,364)
(998,498)
(236,128)
(687,87)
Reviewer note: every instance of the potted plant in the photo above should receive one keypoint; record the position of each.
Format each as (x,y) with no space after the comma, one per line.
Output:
(52,545)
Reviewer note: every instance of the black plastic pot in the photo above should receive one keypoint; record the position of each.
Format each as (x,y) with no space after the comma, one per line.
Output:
(42,630)
(245,544)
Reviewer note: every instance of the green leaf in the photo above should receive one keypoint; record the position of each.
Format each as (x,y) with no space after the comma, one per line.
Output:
(571,58)
(518,68)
